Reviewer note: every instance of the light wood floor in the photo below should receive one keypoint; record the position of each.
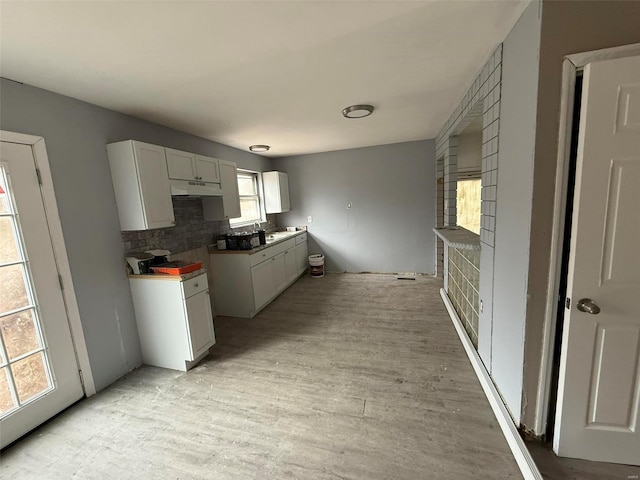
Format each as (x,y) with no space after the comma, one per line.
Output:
(344,377)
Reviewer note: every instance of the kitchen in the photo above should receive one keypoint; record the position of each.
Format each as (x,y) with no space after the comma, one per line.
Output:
(378,196)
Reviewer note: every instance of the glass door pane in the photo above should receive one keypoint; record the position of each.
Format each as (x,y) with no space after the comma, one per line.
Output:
(25,373)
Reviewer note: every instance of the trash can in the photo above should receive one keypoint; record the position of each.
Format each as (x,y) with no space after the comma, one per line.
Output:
(316,264)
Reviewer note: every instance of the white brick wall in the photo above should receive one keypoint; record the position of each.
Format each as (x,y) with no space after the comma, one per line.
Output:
(482,99)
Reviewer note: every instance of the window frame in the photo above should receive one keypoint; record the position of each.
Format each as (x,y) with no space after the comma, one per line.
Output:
(257,177)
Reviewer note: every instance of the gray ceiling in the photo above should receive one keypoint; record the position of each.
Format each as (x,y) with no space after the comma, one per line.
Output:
(265,72)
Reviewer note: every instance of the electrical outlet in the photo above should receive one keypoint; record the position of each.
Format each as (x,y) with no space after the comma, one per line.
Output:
(348,205)
(309,219)
(481,306)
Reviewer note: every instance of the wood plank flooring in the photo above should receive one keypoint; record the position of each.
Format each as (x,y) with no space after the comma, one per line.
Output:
(345,377)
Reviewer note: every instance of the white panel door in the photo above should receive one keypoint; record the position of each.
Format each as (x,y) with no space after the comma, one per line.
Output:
(207,169)
(262,283)
(279,272)
(599,387)
(154,185)
(180,165)
(302,257)
(38,370)
(200,321)
(290,264)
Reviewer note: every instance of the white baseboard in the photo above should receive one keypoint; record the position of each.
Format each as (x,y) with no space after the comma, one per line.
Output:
(516,444)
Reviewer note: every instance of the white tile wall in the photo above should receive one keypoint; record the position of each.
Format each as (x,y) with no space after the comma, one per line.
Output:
(483,97)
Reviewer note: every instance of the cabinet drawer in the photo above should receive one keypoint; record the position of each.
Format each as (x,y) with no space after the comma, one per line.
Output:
(284,246)
(194,285)
(261,256)
(301,238)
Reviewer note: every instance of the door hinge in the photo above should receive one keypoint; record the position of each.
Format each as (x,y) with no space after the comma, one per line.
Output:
(567,303)
(60,280)
(39,176)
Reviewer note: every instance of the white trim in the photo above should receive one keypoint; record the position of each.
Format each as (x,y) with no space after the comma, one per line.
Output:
(572,64)
(520,452)
(581,59)
(60,251)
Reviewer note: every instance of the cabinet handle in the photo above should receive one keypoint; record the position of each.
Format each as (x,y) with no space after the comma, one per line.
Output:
(195,285)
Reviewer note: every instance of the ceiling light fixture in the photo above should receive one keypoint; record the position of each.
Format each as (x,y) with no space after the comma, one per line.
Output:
(357,111)
(259,148)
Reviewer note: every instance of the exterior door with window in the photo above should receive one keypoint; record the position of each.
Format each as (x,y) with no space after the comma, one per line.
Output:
(39,374)
(598,409)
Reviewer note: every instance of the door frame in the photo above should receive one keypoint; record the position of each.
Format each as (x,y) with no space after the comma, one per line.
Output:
(39,150)
(572,65)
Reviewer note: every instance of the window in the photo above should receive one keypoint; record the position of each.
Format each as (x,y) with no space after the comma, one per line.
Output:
(250,208)
(468,204)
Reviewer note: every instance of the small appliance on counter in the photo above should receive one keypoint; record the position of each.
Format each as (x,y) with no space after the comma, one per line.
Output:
(221,242)
(159,256)
(262,236)
(140,263)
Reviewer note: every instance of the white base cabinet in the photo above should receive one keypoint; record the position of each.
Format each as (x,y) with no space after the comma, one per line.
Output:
(244,283)
(174,319)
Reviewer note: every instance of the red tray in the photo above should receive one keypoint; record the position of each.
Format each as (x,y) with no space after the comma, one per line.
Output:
(177,267)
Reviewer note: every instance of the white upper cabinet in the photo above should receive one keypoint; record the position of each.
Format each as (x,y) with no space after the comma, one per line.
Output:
(189,166)
(141,185)
(208,169)
(276,192)
(229,206)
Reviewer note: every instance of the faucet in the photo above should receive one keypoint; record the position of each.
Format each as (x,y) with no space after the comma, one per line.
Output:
(257,223)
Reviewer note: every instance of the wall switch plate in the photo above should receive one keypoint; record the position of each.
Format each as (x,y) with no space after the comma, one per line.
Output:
(309,219)
(348,205)
(481,306)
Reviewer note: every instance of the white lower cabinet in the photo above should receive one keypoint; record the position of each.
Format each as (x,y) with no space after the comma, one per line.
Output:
(245,282)
(302,255)
(262,283)
(174,319)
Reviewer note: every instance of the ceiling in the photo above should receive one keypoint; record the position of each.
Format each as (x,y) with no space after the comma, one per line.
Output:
(261,72)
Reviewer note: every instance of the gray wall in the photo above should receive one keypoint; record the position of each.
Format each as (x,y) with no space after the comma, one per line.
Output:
(391,189)
(76,134)
(513,212)
(567,27)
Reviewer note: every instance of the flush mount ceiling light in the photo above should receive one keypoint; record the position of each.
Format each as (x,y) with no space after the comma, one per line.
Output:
(259,148)
(357,111)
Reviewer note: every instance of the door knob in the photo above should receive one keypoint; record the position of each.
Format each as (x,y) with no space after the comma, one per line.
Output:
(587,305)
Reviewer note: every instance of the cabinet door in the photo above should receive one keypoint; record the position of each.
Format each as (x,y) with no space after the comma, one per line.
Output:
(302,256)
(279,272)
(290,264)
(229,185)
(207,169)
(285,204)
(262,282)
(200,321)
(155,192)
(180,165)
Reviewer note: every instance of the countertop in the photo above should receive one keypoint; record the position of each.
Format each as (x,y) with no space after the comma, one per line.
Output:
(279,237)
(458,237)
(164,276)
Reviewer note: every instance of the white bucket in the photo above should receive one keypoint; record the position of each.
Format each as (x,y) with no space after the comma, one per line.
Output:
(316,264)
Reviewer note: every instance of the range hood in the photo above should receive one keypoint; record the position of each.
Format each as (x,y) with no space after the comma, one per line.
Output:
(191,188)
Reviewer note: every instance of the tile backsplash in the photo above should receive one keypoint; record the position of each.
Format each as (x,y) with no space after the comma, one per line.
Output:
(191,231)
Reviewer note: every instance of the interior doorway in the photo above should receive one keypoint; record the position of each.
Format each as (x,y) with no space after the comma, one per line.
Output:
(594,345)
